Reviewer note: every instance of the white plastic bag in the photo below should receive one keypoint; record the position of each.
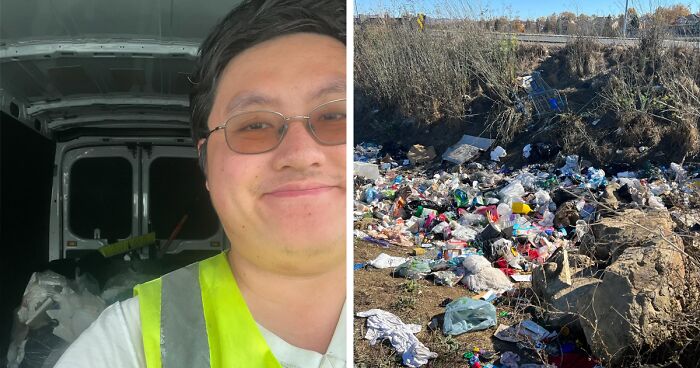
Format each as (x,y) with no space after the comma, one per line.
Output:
(511,192)
(498,153)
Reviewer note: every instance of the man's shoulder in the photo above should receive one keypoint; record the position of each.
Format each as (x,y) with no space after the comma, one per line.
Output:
(113,340)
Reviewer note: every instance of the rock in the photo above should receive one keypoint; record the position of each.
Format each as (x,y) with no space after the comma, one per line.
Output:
(628,228)
(580,261)
(609,200)
(643,295)
(552,276)
(557,284)
(566,215)
(637,298)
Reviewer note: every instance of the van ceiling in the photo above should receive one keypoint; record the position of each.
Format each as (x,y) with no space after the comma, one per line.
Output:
(102,63)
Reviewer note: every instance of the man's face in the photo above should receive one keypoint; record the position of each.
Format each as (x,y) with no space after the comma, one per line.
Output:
(284,209)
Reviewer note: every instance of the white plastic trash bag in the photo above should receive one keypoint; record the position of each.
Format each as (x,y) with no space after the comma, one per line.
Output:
(498,153)
(482,276)
(366,170)
(464,233)
(75,313)
(512,191)
(474,263)
(386,261)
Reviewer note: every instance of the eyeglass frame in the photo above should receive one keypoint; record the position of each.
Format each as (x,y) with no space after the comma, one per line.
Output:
(287,120)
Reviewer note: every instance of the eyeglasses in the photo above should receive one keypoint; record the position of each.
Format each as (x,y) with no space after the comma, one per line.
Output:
(262,131)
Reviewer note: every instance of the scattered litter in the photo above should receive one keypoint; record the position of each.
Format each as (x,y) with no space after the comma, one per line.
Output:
(488,296)
(448,278)
(54,311)
(510,359)
(486,226)
(413,269)
(482,276)
(526,330)
(461,154)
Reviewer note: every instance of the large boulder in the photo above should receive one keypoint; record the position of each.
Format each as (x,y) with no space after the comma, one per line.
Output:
(563,283)
(632,294)
(639,295)
(629,228)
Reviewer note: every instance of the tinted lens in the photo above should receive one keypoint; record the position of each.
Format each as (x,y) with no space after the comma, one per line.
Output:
(254,132)
(328,122)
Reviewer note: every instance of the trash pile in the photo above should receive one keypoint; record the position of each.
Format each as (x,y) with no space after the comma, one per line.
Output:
(489,228)
(56,310)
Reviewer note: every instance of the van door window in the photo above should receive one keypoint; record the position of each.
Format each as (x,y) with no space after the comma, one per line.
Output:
(177,190)
(100,200)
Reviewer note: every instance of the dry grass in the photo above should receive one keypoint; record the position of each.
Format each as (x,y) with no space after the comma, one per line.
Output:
(458,73)
(583,57)
(653,91)
(441,71)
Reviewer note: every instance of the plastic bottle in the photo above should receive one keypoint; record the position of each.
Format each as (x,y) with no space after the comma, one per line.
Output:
(370,195)
(504,210)
(419,211)
(461,198)
(521,208)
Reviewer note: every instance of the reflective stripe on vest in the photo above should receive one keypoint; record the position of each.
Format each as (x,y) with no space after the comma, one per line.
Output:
(196,317)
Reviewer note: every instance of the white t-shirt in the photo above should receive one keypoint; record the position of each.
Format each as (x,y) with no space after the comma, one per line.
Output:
(114,340)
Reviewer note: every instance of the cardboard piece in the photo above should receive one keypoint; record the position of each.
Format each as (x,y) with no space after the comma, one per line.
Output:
(419,154)
(366,170)
(466,149)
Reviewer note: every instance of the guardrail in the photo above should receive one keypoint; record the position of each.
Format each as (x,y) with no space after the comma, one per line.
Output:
(563,39)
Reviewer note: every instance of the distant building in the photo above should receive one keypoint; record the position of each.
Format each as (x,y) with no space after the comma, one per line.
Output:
(608,26)
(364,20)
(688,26)
(369,19)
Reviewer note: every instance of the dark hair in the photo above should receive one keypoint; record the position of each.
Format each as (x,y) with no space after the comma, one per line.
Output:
(251,23)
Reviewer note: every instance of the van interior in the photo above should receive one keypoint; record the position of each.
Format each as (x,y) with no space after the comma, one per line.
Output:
(99,178)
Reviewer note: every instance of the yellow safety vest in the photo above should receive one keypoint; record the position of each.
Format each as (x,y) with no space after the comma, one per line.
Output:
(196,317)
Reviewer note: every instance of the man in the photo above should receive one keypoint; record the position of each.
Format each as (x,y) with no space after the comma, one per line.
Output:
(268,115)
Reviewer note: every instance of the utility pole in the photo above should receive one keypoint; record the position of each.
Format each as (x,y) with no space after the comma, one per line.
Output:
(624,22)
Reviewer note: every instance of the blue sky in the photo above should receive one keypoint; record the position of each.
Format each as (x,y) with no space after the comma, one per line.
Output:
(513,8)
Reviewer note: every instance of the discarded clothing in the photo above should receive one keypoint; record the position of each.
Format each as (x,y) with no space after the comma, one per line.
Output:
(384,325)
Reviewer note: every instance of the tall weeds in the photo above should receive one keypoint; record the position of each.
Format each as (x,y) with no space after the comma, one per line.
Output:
(434,74)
